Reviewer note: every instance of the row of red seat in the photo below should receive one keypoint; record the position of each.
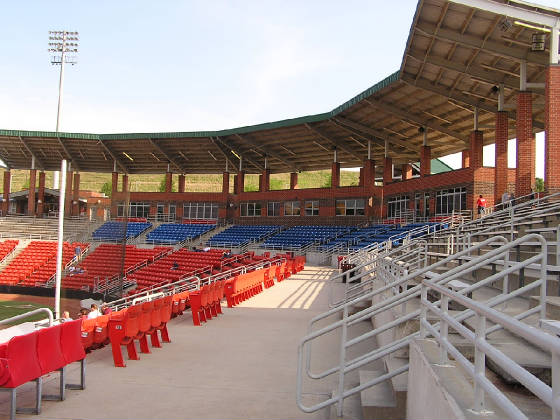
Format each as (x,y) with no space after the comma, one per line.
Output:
(7,247)
(28,357)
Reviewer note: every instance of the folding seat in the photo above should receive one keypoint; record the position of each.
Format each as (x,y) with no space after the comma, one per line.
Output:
(19,364)
(88,331)
(101,331)
(165,317)
(197,300)
(49,354)
(72,349)
(156,317)
(145,326)
(123,327)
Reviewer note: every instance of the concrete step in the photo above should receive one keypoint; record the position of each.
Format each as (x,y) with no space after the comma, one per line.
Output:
(380,401)
(552,306)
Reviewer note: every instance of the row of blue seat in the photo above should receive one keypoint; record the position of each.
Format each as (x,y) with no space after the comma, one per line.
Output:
(300,236)
(240,235)
(114,231)
(172,233)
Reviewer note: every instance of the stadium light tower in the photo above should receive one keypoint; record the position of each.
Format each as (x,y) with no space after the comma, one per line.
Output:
(61,44)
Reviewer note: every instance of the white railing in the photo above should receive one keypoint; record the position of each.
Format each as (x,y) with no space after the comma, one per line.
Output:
(393,280)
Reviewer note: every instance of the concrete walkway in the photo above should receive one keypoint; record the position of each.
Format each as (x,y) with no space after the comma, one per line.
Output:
(241,365)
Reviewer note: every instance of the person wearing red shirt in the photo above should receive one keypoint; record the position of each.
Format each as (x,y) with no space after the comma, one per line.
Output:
(481,204)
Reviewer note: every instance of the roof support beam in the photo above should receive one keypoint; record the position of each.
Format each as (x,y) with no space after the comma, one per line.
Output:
(512,11)
(376,133)
(492,47)
(268,152)
(167,155)
(375,140)
(416,119)
(38,161)
(245,158)
(70,156)
(224,153)
(447,93)
(334,142)
(115,158)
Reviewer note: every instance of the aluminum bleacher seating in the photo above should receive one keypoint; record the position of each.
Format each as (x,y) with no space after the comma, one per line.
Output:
(172,233)
(240,235)
(114,230)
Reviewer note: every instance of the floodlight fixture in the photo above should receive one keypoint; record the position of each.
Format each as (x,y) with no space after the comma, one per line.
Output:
(63,47)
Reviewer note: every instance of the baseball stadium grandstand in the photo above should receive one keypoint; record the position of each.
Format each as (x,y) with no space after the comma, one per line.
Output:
(422,292)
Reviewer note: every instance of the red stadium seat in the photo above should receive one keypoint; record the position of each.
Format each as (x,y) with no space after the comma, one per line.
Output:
(123,327)
(49,353)
(73,350)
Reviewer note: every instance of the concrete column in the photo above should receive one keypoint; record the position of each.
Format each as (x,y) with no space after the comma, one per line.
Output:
(41,196)
(552,128)
(31,196)
(501,171)
(476,149)
(406,171)
(181,183)
(265,180)
(425,160)
(6,194)
(388,171)
(335,175)
(240,182)
(293,181)
(76,195)
(168,182)
(68,200)
(368,173)
(114,182)
(225,183)
(525,171)
(125,183)
(465,158)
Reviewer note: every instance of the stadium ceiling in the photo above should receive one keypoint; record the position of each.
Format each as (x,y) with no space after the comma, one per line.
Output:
(458,55)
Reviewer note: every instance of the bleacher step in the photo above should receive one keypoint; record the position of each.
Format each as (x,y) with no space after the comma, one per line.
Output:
(552,305)
(379,401)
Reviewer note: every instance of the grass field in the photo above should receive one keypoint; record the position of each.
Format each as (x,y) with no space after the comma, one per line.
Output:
(193,183)
(9,308)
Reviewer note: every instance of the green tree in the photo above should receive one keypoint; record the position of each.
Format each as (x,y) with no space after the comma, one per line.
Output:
(328,181)
(539,184)
(107,189)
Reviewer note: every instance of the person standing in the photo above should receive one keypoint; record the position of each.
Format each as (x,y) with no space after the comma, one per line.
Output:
(481,205)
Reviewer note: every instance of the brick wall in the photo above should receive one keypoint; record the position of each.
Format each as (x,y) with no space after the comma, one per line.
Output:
(525,144)
(500,174)
(552,127)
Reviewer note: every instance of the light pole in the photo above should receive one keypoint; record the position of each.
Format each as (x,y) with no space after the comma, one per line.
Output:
(62,43)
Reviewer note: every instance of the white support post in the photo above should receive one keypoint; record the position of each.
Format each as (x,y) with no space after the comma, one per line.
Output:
(240,163)
(554,44)
(479,364)
(443,360)
(114,166)
(501,97)
(369,149)
(475,117)
(266,162)
(386,148)
(523,76)
(227,168)
(58,276)
(335,156)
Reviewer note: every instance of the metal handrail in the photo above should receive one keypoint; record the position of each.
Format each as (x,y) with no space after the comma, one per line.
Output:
(476,370)
(346,366)
(28,314)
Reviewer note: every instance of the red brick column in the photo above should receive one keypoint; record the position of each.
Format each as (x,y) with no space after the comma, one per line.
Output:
(293,181)
(225,183)
(335,175)
(114,182)
(501,171)
(31,196)
(68,198)
(168,182)
(235,185)
(181,183)
(525,172)
(6,194)
(476,150)
(425,160)
(387,171)
(361,179)
(41,196)
(264,184)
(240,182)
(124,183)
(552,128)
(368,173)
(76,195)
(406,171)
(465,158)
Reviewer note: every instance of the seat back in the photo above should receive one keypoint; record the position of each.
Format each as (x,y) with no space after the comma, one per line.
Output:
(166,308)
(49,349)
(156,313)
(23,363)
(132,319)
(146,316)
(101,329)
(70,335)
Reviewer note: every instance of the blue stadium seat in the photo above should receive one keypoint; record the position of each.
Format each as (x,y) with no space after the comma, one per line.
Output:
(114,231)
(172,233)
(241,235)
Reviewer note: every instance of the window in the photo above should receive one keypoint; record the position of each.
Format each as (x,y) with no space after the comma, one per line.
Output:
(292,208)
(350,207)
(451,199)
(397,206)
(273,208)
(200,210)
(250,209)
(312,208)
(135,209)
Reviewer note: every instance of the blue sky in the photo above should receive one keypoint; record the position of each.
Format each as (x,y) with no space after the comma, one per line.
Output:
(148,66)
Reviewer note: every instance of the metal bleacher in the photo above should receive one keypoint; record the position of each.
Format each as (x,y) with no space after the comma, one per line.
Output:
(479,298)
